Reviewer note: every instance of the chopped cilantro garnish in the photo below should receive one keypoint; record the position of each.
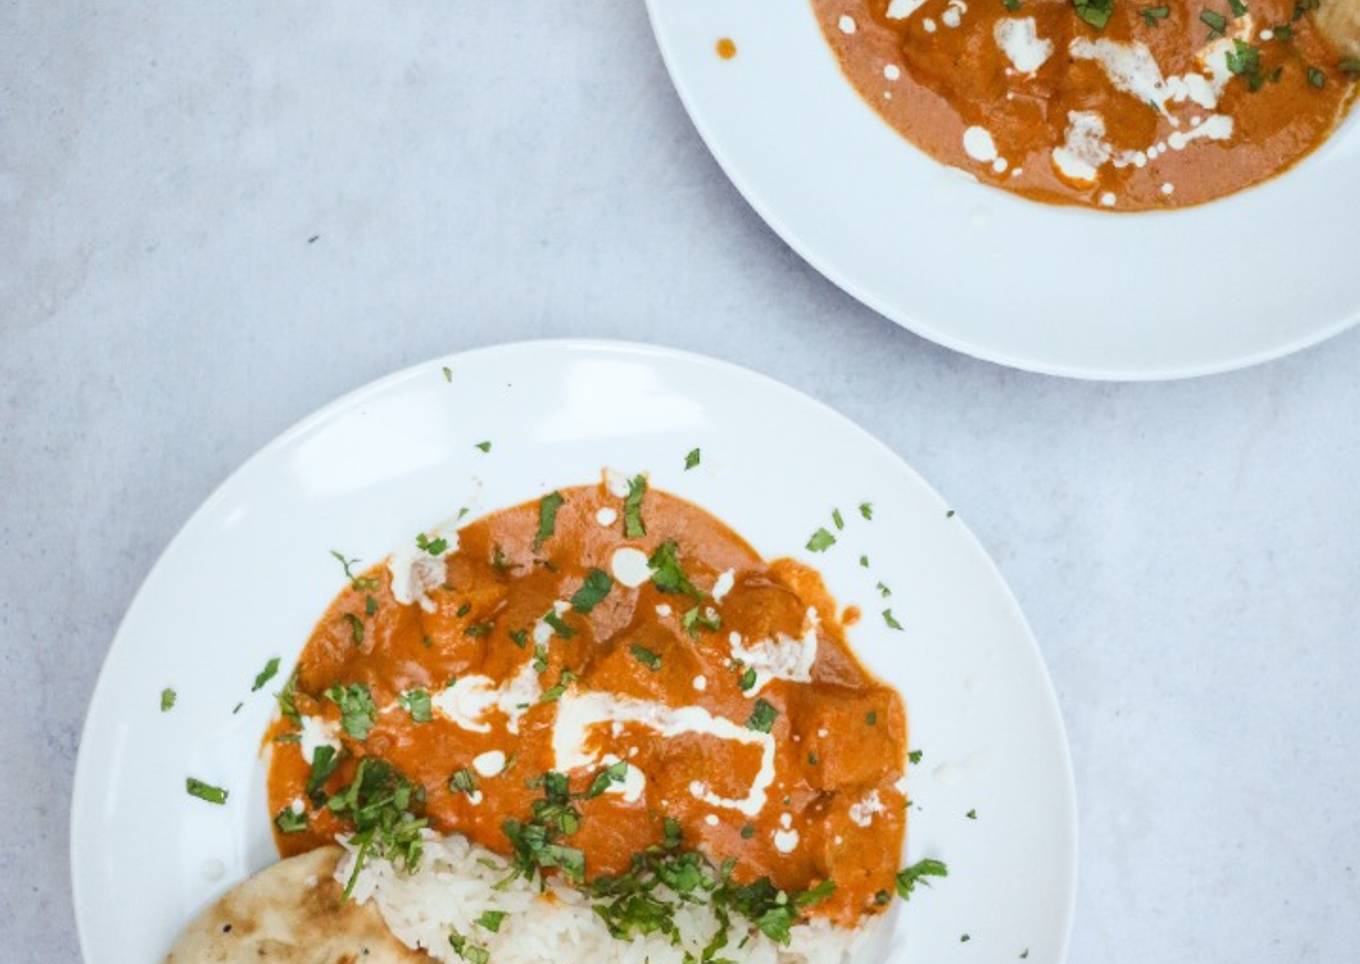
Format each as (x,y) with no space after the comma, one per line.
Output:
(762,717)
(540,658)
(915,756)
(1215,21)
(837,519)
(448,373)
(463,610)
(891,620)
(385,808)
(484,446)
(417,703)
(236,709)
(558,626)
(554,693)
(864,561)
(747,832)
(266,674)
(356,628)
(205,791)
(971,814)
(535,842)
(324,762)
(520,637)
(478,630)
(884,591)
(595,587)
(748,679)
(498,560)
(610,775)
(463,781)
(700,617)
(491,920)
(667,575)
(547,517)
(1151,15)
(645,656)
(1095,12)
(357,712)
(691,459)
(468,951)
(1011,5)
(820,541)
(909,877)
(813,759)
(370,605)
(167,699)
(1244,60)
(1238,7)
(815,895)
(1316,77)
(435,547)
(632,507)
(871,718)
(866,509)
(289,820)
(357,583)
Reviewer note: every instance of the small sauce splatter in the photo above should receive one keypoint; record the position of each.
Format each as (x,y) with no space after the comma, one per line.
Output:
(726,48)
(850,616)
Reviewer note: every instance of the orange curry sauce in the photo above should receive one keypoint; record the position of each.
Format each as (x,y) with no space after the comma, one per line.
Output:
(1156,109)
(833,807)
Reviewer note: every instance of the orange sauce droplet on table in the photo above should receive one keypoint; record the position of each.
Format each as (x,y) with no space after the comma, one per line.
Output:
(726,48)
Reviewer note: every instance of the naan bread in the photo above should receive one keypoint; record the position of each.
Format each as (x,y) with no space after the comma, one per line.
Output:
(291,912)
(1339,21)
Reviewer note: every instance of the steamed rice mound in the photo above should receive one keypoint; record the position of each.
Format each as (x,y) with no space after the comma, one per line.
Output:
(457,882)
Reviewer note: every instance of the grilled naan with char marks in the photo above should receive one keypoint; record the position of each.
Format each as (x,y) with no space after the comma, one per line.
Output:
(291,912)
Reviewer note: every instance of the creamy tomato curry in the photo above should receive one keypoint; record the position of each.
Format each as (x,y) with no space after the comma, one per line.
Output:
(632,643)
(1123,104)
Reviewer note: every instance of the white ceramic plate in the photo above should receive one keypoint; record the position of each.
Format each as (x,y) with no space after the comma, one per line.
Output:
(1052,289)
(250,573)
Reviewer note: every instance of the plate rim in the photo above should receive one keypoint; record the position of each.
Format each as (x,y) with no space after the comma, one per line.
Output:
(929,331)
(618,347)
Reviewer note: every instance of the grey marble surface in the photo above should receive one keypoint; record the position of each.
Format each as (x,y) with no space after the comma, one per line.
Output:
(216,217)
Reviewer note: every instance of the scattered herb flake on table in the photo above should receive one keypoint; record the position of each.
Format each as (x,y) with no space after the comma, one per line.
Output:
(691,459)
(167,699)
(891,620)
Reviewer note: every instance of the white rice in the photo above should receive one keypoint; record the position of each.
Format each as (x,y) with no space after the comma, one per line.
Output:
(456,884)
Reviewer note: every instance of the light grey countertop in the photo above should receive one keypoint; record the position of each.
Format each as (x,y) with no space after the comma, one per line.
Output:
(215,218)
